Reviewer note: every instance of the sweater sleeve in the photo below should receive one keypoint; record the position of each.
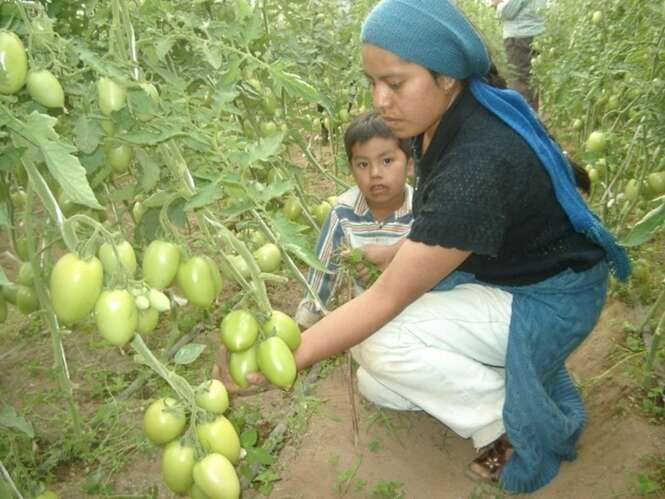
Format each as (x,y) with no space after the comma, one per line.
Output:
(465,205)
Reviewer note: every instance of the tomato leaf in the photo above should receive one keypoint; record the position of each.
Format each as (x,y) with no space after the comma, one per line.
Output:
(294,84)
(189,353)
(144,137)
(645,229)
(87,134)
(265,148)
(59,157)
(11,420)
(4,216)
(207,195)
(150,170)
(291,239)
(248,438)
(259,455)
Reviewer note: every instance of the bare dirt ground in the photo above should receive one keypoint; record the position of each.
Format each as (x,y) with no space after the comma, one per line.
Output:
(430,461)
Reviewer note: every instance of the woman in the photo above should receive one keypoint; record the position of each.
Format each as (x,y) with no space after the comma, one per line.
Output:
(504,272)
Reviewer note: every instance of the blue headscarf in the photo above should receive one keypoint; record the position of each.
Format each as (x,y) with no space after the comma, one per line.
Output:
(437,36)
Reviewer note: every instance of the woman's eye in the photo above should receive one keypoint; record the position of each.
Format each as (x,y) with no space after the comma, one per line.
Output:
(394,84)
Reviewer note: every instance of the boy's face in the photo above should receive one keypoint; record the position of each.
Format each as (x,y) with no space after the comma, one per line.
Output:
(380,169)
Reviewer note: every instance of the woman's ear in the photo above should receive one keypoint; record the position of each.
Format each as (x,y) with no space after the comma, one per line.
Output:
(446,83)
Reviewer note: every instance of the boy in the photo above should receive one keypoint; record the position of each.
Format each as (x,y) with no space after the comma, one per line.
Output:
(376,211)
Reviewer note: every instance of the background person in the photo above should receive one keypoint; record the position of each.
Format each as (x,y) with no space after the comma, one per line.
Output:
(522,20)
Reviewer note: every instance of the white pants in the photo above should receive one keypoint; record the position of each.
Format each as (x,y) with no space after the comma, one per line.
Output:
(443,354)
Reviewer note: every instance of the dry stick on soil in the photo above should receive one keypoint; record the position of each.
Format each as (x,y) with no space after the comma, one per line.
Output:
(278,431)
(351,380)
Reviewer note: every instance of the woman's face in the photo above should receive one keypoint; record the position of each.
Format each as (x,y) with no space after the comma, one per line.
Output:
(410,100)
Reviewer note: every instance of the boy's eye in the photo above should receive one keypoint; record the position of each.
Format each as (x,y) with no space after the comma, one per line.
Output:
(394,84)
(361,164)
(387,161)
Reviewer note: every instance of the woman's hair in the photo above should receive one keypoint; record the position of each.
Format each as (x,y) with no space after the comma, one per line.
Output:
(494,78)
(367,126)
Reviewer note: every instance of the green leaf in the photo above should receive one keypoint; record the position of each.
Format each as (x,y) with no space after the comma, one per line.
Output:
(176,213)
(294,84)
(259,455)
(237,208)
(275,190)
(60,159)
(645,229)
(4,216)
(248,438)
(10,419)
(214,57)
(125,193)
(150,170)
(265,148)
(87,134)
(163,46)
(207,195)
(291,239)
(158,199)
(189,353)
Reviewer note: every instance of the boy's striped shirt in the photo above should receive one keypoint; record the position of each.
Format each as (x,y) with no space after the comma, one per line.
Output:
(351,224)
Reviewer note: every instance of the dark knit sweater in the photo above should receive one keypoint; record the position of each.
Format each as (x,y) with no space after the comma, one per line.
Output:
(481,188)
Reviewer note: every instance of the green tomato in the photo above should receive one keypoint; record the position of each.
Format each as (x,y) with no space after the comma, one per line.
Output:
(216,275)
(292,208)
(116,316)
(163,421)
(268,128)
(178,467)
(641,271)
(3,309)
(119,157)
(596,143)
(110,96)
(147,320)
(656,181)
(280,324)
(632,190)
(75,285)
(593,175)
(239,330)
(9,292)
(195,279)
(159,301)
(212,396)
(138,210)
(26,275)
(18,199)
(220,436)
(597,17)
(321,212)
(160,264)
(13,63)
(257,238)
(216,477)
(196,493)
(577,124)
(45,89)
(241,364)
(276,362)
(126,258)
(26,299)
(268,257)
(240,265)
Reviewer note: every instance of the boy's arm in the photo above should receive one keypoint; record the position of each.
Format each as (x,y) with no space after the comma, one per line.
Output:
(329,240)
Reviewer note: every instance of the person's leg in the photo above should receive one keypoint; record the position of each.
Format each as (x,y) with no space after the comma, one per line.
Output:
(519,52)
(443,354)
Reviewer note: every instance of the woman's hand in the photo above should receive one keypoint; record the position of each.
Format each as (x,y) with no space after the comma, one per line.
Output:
(257,381)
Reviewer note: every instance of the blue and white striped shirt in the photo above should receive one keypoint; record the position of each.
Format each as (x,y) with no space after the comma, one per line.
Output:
(352,224)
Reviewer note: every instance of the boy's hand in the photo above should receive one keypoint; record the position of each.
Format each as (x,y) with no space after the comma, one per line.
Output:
(257,381)
(379,254)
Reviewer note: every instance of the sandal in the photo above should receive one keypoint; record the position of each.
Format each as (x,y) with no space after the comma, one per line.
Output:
(488,465)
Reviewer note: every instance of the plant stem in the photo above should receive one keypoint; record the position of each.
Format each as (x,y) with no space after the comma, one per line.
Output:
(655,343)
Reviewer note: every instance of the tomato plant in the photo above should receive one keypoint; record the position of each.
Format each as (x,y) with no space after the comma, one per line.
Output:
(276,362)
(74,287)
(160,264)
(220,436)
(116,316)
(178,467)
(198,281)
(163,421)
(13,63)
(45,89)
(241,364)
(239,330)
(212,396)
(280,324)
(216,477)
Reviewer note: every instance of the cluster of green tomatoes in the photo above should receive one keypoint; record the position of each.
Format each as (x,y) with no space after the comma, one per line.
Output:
(201,466)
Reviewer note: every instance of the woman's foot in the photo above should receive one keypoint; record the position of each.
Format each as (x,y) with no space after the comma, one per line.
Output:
(488,465)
